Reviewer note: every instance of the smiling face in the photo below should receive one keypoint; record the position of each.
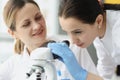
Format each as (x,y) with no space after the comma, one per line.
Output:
(82,34)
(30,26)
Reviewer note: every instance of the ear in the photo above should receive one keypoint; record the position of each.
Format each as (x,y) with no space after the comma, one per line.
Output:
(11,33)
(99,20)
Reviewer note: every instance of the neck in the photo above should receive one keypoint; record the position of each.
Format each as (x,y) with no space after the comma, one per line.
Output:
(31,48)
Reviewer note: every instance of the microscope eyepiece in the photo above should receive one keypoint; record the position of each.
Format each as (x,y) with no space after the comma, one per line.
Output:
(52,41)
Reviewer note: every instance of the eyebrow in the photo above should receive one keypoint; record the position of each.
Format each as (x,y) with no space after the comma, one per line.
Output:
(76,30)
(26,20)
(38,13)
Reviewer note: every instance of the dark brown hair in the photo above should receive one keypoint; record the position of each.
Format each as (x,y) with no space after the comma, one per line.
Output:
(84,10)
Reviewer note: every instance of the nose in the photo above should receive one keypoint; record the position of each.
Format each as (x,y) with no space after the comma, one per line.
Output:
(36,26)
(75,39)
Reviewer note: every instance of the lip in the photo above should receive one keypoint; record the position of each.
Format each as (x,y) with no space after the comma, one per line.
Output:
(80,45)
(38,33)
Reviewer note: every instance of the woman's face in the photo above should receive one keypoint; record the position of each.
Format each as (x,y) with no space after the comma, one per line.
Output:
(81,34)
(30,26)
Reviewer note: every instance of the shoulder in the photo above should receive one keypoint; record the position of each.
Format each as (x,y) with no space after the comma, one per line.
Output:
(12,60)
(15,57)
(8,65)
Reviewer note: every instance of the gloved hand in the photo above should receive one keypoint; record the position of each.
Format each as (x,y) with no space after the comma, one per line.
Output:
(62,50)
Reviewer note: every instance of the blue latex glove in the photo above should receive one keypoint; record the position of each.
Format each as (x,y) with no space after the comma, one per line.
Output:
(62,50)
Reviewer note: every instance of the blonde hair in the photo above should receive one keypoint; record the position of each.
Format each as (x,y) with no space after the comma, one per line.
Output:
(9,13)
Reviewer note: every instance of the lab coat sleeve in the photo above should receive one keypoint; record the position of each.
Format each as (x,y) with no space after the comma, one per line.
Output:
(105,64)
(116,41)
(84,59)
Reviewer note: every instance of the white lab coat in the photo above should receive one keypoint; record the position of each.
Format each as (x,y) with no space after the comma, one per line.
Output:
(108,48)
(15,67)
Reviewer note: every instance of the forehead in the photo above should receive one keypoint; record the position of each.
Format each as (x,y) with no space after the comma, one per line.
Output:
(71,23)
(29,7)
(27,11)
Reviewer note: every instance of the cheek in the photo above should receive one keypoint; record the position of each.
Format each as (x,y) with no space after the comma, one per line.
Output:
(43,23)
(24,36)
(85,38)
(89,38)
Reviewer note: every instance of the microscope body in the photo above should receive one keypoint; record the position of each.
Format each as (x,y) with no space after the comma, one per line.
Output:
(42,65)
(116,75)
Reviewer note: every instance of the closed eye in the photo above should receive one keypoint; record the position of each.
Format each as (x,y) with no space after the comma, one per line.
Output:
(77,32)
(38,18)
(26,24)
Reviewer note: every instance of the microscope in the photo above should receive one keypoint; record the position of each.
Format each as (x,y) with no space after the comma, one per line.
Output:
(116,76)
(42,65)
